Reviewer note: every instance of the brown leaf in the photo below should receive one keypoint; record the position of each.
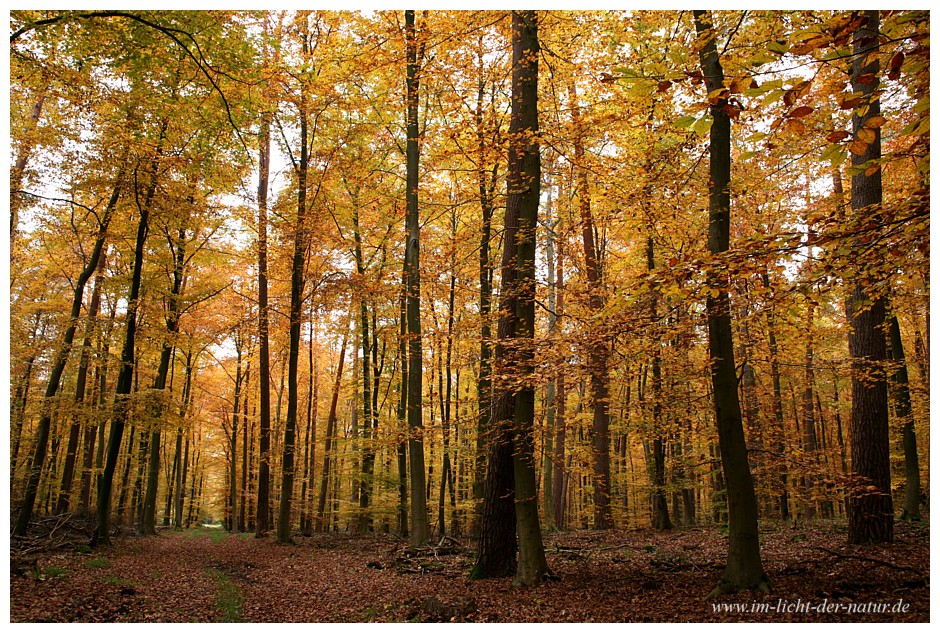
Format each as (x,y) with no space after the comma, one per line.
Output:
(837,135)
(802,111)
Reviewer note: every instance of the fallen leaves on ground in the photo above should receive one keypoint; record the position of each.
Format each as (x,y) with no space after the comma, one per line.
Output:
(617,576)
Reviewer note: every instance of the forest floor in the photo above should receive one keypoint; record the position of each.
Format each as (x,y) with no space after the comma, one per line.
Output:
(207,575)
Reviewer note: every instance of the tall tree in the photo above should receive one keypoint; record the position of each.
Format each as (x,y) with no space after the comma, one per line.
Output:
(419,511)
(523,184)
(599,351)
(264,349)
(871,512)
(743,569)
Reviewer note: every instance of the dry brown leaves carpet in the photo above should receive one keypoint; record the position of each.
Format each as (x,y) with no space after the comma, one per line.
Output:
(634,576)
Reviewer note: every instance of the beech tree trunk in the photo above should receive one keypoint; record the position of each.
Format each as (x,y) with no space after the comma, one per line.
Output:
(902,406)
(178,248)
(322,524)
(264,354)
(743,569)
(419,510)
(599,350)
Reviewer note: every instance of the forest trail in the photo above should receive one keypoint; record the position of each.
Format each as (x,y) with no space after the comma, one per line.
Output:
(208,575)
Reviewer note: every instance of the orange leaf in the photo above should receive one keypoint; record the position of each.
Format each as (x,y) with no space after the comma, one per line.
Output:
(837,135)
(867,135)
(795,126)
(875,122)
(858,147)
(871,171)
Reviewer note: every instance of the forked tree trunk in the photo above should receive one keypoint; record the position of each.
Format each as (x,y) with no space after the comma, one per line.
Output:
(58,367)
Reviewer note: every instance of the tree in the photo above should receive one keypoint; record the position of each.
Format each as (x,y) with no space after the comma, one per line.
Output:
(523,185)
(743,569)
(419,511)
(871,514)
(598,347)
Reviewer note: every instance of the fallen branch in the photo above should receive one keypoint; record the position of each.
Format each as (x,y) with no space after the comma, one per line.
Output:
(868,559)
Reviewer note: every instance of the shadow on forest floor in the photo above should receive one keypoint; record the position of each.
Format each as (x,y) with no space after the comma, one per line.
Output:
(616,576)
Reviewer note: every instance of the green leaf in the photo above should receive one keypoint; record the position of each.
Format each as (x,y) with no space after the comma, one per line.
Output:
(835,154)
(747,155)
(685,122)
(702,126)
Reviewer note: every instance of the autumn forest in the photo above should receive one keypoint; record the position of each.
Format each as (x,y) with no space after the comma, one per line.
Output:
(469,315)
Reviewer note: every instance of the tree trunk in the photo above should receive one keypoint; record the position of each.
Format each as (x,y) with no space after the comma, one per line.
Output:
(486,183)
(172,328)
(402,412)
(902,405)
(744,569)
(660,506)
(322,524)
(598,348)
(264,354)
(871,513)
(81,381)
(777,405)
(523,185)
(810,447)
(419,511)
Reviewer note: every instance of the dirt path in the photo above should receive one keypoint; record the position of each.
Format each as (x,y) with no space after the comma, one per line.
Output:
(639,576)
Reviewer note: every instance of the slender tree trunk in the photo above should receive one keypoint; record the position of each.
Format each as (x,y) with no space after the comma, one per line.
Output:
(871,512)
(777,404)
(402,412)
(744,569)
(486,186)
(902,405)
(368,417)
(264,354)
(810,447)
(233,440)
(561,396)
(419,512)
(322,523)
(660,507)
(598,349)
